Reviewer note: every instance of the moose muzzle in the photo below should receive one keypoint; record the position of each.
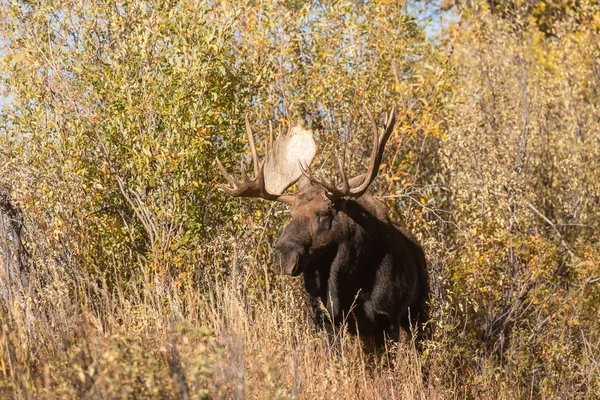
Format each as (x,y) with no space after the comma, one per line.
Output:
(287,263)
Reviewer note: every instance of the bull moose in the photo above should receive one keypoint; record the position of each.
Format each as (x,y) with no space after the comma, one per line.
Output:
(366,270)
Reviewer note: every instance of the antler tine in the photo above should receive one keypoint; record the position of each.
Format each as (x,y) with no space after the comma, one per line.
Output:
(270,135)
(252,146)
(230,180)
(377,151)
(345,184)
(390,121)
(308,173)
(388,128)
(327,184)
(376,139)
(246,186)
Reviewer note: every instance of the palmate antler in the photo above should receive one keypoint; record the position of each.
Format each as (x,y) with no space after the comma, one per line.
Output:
(360,185)
(277,171)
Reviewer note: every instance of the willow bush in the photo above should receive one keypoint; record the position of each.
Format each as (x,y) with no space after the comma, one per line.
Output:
(114,115)
(521,157)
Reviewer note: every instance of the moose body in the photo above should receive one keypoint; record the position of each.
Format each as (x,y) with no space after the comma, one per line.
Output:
(368,272)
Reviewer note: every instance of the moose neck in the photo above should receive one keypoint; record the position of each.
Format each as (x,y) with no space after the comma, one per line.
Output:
(353,241)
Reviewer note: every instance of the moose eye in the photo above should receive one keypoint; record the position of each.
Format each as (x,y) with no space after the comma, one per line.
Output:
(324,216)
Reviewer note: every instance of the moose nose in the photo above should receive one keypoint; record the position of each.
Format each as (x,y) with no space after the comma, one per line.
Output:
(286,261)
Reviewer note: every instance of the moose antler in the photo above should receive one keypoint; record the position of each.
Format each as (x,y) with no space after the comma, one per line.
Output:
(277,171)
(360,183)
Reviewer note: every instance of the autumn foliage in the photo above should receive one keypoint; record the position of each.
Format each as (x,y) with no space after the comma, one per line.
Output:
(127,273)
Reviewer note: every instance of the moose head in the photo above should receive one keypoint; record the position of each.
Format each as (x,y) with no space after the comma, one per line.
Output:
(313,227)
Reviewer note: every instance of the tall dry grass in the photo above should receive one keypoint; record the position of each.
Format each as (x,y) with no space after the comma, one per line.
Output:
(245,333)
(154,339)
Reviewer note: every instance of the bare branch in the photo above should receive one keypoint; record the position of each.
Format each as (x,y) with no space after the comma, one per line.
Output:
(547,220)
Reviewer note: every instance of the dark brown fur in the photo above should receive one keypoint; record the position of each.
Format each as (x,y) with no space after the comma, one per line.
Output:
(366,270)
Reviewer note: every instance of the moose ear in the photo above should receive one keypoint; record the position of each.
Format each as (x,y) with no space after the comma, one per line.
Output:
(282,165)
